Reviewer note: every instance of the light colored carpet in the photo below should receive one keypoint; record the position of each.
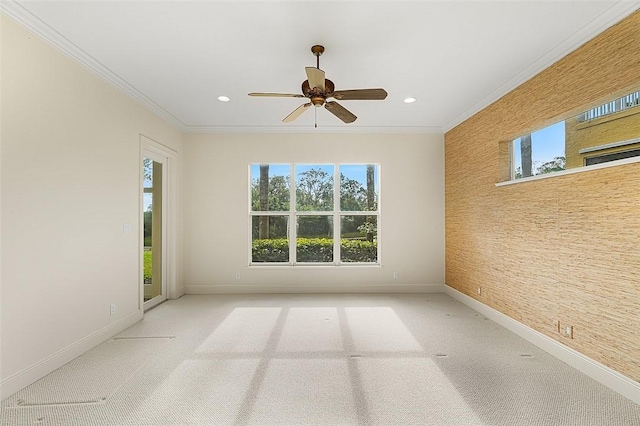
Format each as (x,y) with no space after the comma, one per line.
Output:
(92,377)
(317,360)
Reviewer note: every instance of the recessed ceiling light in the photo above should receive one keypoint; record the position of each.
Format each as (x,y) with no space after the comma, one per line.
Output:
(223,98)
(409,100)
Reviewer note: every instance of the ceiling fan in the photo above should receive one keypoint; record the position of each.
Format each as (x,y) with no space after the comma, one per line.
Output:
(318,89)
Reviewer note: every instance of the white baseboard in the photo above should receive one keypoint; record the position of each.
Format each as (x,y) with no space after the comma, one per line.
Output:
(316,289)
(35,372)
(592,368)
(180,292)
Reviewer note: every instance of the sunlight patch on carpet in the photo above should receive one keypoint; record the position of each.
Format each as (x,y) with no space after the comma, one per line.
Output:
(245,330)
(379,329)
(412,390)
(311,329)
(304,392)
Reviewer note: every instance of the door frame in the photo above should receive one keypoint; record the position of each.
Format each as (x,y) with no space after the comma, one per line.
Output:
(168,157)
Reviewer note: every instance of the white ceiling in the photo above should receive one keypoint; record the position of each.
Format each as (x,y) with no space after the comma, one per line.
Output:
(455,57)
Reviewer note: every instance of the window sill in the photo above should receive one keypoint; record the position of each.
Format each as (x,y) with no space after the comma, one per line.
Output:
(313,265)
(572,171)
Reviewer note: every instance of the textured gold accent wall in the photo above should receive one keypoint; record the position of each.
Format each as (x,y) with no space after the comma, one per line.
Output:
(565,248)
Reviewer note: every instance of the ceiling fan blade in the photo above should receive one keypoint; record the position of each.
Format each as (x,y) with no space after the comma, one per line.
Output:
(315,77)
(339,111)
(296,113)
(360,94)
(277,95)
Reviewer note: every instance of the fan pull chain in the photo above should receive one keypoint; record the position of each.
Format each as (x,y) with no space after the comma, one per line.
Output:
(315,117)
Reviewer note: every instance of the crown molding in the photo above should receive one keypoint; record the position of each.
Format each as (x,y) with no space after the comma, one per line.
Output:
(13,10)
(611,16)
(311,129)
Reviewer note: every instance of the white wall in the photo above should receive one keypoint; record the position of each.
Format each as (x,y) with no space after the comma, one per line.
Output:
(70,145)
(215,196)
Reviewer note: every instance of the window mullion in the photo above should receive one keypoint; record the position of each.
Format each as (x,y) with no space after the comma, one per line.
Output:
(336,214)
(249,234)
(293,220)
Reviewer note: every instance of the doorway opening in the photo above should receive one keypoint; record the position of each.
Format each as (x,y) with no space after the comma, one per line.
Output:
(157,216)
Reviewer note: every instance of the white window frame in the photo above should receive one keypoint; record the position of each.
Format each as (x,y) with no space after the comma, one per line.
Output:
(293,214)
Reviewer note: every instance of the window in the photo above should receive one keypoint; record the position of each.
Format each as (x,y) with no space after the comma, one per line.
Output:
(612,157)
(299,215)
(607,132)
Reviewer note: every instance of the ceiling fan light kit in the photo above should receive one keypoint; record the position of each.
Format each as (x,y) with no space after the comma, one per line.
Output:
(318,89)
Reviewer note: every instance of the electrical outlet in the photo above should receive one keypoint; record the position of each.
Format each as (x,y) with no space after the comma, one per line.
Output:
(237,275)
(568,331)
(112,309)
(395,275)
(479,290)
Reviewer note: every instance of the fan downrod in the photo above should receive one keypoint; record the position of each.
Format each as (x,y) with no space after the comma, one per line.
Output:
(317,50)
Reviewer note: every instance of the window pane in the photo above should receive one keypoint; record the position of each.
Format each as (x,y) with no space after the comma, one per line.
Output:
(147,202)
(359,187)
(148,213)
(270,238)
(359,238)
(315,239)
(147,166)
(314,188)
(270,187)
(540,152)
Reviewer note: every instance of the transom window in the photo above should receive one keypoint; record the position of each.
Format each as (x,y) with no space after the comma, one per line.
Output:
(608,132)
(314,214)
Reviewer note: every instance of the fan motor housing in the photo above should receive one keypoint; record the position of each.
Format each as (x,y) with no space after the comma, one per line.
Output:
(309,92)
